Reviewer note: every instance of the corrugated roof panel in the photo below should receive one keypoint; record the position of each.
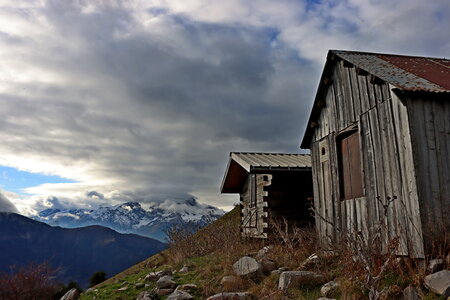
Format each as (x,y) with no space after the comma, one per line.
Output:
(271,160)
(411,73)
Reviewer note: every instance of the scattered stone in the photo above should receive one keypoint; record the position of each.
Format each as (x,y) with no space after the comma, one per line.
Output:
(163,292)
(435,265)
(89,290)
(72,294)
(179,295)
(139,285)
(187,287)
(153,276)
(147,285)
(247,266)
(311,260)
(124,283)
(263,252)
(231,296)
(147,295)
(438,282)
(229,280)
(410,293)
(122,289)
(166,282)
(283,269)
(329,288)
(184,269)
(268,265)
(289,278)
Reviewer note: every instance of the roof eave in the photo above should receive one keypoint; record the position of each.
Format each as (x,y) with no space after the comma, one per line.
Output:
(315,110)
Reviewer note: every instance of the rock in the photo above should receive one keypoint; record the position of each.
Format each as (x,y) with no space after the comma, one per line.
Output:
(268,265)
(188,287)
(438,282)
(410,293)
(263,252)
(139,285)
(184,269)
(311,260)
(329,288)
(247,266)
(231,296)
(435,265)
(179,295)
(153,276)
(447,260)
(163,292)
(289,278)
(166,282)
(229,280)
(147,295)
(72,294)
(122,289)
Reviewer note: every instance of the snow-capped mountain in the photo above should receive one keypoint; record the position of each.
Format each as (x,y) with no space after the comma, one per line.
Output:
(131,217)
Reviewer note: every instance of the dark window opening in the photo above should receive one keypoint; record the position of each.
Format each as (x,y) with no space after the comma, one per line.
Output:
(252,190)
(350,169)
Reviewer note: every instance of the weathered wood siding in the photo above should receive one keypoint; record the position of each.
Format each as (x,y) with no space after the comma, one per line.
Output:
(429,120)
(254,219)
(390,193)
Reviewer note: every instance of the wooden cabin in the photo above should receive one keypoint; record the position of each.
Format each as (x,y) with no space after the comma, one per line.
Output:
(379,135)
(270,186)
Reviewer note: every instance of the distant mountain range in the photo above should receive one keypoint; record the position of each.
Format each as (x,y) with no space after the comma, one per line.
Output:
(77,253)
(130,217)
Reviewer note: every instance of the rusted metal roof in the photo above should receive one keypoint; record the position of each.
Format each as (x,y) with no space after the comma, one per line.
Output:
(241,164)
(251,161)
(409,73)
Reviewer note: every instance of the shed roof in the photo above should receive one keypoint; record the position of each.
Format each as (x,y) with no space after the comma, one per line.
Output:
(406,73)
(409,73)
(240,164)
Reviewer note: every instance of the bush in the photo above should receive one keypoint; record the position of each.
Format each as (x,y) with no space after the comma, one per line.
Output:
(33,281)
(97,277)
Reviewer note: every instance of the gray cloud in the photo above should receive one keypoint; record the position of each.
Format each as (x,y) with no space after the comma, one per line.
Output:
(144,103)
(6,205)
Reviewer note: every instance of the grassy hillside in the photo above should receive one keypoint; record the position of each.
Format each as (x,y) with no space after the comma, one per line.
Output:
(210,253)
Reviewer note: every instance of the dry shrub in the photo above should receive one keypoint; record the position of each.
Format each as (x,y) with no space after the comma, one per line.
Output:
(221,237)
(291,244)
(33,281)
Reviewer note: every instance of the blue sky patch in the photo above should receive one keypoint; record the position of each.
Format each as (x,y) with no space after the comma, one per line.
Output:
(14,180)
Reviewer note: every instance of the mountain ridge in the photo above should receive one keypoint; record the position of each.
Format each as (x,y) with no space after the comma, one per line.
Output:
(76,252)
(131,217)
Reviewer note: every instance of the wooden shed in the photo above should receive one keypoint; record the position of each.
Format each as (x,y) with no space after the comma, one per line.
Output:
(270,185)
(379,134)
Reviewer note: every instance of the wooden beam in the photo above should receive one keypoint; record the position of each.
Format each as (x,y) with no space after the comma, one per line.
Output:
(375,80)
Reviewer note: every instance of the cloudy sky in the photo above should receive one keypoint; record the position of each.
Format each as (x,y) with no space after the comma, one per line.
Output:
(112,101)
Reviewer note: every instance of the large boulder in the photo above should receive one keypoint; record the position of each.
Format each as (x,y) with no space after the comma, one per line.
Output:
(231,296)
(179,295)
(438,282)
(72,294)
(147,295)
(166,282)
(291,278)
(247,266)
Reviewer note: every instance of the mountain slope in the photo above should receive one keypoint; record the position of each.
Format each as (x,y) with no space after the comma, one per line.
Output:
(78,253)
(130,217)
